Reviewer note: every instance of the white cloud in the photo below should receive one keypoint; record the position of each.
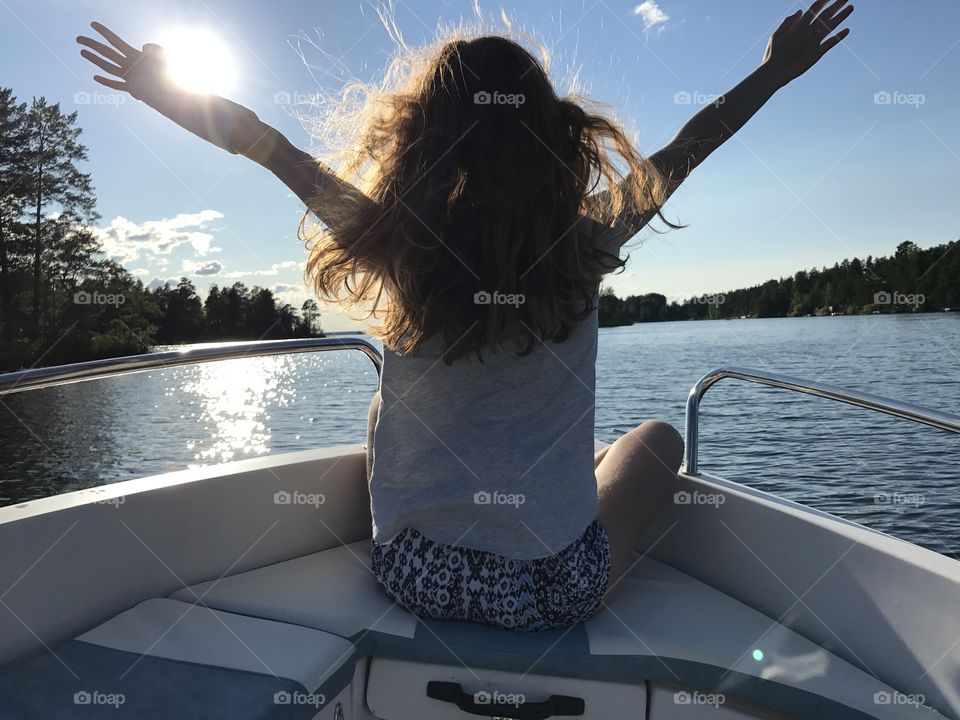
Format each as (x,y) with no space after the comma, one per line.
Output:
(159,282)
(269,272)
(295,295)
(211,267)
(651,13)
(125,241)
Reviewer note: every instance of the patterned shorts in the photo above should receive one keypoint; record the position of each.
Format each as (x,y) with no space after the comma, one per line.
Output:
(434,580)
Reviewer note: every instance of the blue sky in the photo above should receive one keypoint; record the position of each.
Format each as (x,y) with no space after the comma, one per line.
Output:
(829,169)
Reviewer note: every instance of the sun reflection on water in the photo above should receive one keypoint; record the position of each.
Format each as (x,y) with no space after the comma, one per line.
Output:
(229,406)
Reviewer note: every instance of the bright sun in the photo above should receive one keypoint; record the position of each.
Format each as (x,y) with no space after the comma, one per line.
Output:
(199,61)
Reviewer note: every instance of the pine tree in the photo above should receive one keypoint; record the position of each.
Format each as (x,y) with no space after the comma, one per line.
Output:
(56,184)
(13,196)
(311,316)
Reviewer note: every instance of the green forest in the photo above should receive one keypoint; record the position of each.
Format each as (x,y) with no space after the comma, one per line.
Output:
(61,300)
(911,280)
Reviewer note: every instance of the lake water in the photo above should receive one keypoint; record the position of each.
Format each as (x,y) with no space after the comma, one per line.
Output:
(889,474)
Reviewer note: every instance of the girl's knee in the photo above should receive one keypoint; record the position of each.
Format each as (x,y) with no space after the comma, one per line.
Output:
(661,437)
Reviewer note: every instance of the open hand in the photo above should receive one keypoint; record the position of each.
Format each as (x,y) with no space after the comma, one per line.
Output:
(142,73)
(805,37)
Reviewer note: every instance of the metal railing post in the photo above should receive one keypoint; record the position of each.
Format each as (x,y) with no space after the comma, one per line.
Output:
(888,406)
(37,378)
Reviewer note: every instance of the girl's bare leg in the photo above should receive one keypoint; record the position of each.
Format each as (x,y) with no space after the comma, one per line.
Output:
(599,456)
(636,476)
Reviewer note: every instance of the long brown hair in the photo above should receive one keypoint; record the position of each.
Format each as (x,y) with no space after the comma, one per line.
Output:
(479,177)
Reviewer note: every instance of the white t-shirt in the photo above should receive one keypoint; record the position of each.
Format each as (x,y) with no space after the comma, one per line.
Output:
(497,455)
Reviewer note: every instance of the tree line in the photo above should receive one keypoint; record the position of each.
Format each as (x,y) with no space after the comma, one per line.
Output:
(61,299)
(911,280)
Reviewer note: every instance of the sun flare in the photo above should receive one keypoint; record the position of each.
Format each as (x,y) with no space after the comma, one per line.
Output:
(199,61)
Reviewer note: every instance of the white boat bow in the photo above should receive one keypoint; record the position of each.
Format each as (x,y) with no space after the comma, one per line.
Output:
(242,590)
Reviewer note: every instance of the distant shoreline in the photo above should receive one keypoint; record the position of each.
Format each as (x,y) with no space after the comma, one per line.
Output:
(945,311)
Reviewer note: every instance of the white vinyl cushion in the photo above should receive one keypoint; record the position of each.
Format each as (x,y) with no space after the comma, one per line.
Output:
(333,591)
(190,633)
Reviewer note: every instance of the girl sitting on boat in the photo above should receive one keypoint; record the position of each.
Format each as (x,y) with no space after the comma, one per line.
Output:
(474,214)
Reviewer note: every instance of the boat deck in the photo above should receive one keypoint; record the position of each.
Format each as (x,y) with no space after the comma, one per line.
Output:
(287,640)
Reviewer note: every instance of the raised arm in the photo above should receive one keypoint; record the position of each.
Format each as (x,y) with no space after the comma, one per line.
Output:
(232,127)
(796,46)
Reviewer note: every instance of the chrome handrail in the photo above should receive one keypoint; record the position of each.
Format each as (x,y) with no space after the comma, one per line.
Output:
(897,408)
(37,378)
